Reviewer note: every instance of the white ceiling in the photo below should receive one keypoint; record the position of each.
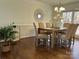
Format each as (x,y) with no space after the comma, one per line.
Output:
(56,2)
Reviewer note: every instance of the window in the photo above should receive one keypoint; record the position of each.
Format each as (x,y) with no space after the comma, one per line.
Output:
(76,20)
(76,17)
(71,17)
(67,17)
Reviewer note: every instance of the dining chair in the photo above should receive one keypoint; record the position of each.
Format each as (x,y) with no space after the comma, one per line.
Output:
(48,25)
(47,32)
(66,24)
(66,38)
(40,39)
(41,25)
(74,31)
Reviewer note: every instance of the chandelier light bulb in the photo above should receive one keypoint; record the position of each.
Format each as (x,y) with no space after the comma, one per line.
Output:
(59,9)
(56,9)
(62,9)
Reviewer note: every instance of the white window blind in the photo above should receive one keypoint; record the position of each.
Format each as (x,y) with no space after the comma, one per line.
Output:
(67,17)
(71,17)
(76,17)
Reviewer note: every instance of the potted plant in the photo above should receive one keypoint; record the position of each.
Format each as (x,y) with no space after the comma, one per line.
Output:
(7,35)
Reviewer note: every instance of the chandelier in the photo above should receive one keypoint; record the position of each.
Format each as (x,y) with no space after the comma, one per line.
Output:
(58,9)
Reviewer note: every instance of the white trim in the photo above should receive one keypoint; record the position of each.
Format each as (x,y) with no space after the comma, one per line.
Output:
(23,24)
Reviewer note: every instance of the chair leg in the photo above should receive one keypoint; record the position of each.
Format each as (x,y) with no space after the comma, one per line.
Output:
(48,41)
(73,40)
(69,43)
(60,42)
(36,43)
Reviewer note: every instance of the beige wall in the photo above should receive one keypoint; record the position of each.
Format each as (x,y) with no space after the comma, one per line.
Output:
(72,6)
(21,12)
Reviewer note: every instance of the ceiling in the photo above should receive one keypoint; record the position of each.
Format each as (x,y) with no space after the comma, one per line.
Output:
(56,2)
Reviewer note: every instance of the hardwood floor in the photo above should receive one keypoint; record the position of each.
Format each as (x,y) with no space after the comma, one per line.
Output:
(25,49)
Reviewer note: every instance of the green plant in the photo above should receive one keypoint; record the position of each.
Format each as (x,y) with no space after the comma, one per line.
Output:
(7,33)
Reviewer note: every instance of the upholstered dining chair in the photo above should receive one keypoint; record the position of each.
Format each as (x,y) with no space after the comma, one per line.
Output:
(66,38)
(41,25)
(74,31)
(48,25)
(66,24)
(40,37)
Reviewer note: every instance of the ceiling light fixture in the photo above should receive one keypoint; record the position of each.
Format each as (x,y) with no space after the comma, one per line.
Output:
(59,8)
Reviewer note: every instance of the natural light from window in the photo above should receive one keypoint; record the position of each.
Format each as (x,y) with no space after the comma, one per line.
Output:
(71,17)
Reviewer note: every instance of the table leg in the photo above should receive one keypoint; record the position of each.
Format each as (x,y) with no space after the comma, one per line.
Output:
(52,40)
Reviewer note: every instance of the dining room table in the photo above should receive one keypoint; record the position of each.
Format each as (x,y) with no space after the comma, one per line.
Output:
(53,31)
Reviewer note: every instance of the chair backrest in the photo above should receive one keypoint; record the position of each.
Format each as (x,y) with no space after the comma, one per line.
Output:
(66,24)
(75,26)
(41,25)
(36,30)
(48,25)
(71,30)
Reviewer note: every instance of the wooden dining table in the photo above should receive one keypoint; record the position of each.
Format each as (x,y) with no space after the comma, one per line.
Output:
(52,31)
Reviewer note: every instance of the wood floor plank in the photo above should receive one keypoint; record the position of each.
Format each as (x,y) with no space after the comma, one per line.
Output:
(24,49)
